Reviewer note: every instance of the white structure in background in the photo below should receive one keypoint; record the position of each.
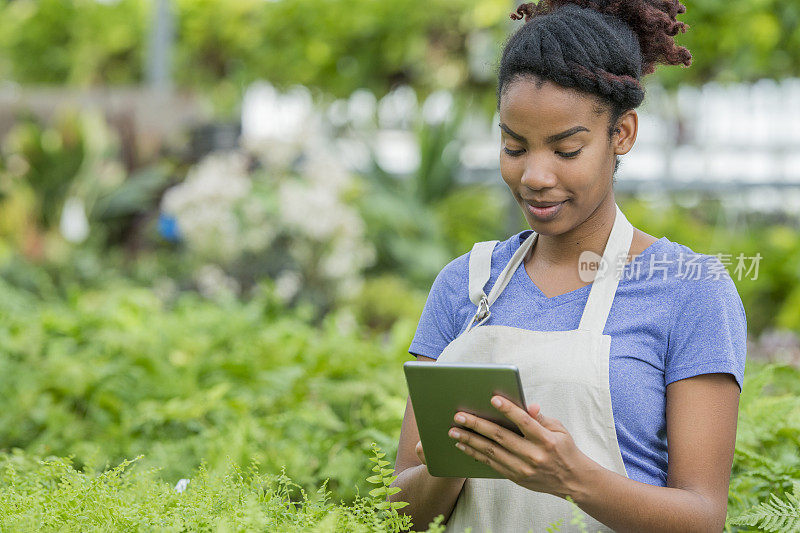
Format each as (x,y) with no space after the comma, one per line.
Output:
(275,124)
(720,138)
(710,138)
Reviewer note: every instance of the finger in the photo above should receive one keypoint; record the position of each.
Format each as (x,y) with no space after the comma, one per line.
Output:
(530,426)
(487,460)
(504,457)
(420,452)
(505,437)
(552,424)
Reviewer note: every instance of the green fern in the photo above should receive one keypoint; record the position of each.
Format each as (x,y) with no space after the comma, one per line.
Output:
(384,479)
(775,514)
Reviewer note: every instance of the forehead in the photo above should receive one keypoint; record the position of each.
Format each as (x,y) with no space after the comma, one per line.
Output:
(548,106)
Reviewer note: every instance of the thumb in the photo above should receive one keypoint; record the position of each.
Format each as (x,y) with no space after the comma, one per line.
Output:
(535,410)
(420,453)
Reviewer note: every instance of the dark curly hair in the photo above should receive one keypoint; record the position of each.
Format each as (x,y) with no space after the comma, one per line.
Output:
(601,47)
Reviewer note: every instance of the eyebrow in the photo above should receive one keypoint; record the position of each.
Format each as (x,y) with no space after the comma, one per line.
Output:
(549,140)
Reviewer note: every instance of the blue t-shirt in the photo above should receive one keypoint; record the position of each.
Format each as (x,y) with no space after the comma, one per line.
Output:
(676,314)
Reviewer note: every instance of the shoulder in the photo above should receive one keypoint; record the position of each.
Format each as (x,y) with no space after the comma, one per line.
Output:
(685,277)
(701,286)
(682,264)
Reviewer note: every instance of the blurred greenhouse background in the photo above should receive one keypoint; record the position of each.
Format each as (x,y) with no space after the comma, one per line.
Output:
(219,219)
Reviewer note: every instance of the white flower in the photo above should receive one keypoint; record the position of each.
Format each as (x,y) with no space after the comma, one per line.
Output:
(287,285)
(212,282)
(438,107)
(204,204)
(74,225)
(181,485)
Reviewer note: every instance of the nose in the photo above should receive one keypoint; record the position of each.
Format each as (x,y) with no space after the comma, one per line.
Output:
(538,175)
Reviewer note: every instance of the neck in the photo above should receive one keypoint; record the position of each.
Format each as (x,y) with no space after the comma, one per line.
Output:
(591,235)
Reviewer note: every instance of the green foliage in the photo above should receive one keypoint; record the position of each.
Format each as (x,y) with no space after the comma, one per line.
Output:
(116,372)
(419,223)
(740,40)
(577,520)
(385,299)
(79,42)
(577,516)
(766,462)
(50,158)
(776,514)
(222,45)
(471,214)
(384,479)
(52,495)
(75,157)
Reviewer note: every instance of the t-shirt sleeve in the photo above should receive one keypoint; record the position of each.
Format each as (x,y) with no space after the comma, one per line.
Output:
(709,330)
(436,327)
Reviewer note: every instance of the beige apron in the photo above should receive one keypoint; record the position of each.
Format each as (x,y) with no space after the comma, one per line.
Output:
(566,372)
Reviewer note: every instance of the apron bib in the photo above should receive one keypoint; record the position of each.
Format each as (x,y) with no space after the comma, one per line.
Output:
(566,372)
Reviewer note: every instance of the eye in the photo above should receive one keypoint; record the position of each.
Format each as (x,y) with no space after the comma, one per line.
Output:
(570,155)
(512,153)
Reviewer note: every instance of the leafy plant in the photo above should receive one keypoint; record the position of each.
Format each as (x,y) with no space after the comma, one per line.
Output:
(52,495)
(776,514)
(384,479)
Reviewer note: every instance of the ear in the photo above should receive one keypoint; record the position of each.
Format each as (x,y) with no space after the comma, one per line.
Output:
(625,132)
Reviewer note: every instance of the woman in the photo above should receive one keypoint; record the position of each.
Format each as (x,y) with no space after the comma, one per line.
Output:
(632,374)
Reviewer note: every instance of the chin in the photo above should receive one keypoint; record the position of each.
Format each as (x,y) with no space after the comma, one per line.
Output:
(558,225)
(555,227)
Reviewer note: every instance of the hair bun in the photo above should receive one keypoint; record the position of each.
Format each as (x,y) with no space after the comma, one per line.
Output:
(653,22)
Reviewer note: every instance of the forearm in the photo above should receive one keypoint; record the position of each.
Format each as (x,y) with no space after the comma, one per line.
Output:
(627,505)
(427,496)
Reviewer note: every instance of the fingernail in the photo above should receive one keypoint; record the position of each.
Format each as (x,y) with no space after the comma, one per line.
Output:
(460,419)
(455,434)
(496,402)
(459,446)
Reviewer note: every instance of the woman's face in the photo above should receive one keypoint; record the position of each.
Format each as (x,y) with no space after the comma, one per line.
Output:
(556,157)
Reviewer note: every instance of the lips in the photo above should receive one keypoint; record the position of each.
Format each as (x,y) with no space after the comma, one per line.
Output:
(541,204)
(544,211)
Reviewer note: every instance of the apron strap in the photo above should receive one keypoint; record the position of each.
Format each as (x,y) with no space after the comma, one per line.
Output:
(480,265)
(604,286)
(480,269)
(508,272)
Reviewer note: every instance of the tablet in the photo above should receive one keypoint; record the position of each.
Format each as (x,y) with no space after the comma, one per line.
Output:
(439,390)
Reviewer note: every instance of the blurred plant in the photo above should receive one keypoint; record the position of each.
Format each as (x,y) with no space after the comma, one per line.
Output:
(65,182)
(46,161)
(293,225)
(222,46)
(419,222)
(80,42)
(114,372)
(386,299)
